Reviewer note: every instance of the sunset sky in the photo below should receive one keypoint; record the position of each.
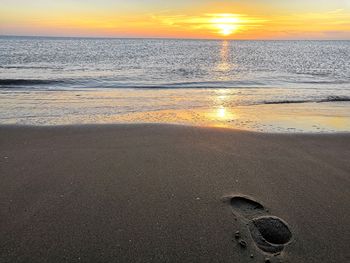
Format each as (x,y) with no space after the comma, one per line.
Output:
(240,19)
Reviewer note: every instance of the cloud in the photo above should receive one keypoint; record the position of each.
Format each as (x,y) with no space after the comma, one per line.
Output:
(209,22)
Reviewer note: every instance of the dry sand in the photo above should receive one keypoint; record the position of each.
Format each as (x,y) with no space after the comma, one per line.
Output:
(158,193)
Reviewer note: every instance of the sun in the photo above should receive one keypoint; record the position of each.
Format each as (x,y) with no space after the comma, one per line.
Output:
(226,30)
(225,24)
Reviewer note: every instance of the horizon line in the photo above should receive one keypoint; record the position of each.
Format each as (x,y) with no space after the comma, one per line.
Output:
(167,38)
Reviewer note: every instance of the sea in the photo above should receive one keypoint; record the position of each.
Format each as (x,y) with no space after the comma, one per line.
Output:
(273,86)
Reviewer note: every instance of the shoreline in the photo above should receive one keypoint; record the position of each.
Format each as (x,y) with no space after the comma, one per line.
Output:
(196,107)
(175,193)
(169,125)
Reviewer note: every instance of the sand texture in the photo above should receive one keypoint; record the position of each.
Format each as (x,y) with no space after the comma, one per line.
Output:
(162,193)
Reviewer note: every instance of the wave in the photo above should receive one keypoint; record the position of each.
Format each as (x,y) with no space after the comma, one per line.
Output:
(287,101)
(27,82)
(328,99)
(29,67)
(324,82)
(195,84)
(110,83)
(335,98)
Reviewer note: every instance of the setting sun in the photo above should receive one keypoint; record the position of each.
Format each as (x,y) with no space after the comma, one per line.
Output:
(226,30)
(226,24)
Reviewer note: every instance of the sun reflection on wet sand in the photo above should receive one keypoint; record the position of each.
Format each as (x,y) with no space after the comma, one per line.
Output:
(267,118)
(221,113)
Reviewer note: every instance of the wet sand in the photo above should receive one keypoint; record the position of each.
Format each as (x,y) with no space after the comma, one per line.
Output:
(162,193)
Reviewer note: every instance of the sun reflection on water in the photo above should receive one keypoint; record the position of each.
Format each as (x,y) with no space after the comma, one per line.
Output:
(224,65)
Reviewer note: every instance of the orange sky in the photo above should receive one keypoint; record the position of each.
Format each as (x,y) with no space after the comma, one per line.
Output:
(265,19)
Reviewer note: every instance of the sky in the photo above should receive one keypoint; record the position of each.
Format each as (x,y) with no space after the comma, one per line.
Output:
(208,19)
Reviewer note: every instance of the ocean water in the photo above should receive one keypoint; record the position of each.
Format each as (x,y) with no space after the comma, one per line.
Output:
(49,81)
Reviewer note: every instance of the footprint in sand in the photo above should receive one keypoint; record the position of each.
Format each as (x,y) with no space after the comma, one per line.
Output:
(269,233)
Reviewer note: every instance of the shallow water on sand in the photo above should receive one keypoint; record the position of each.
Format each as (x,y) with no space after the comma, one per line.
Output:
(197,107)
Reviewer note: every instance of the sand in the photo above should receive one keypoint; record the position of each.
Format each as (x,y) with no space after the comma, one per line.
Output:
(161,193)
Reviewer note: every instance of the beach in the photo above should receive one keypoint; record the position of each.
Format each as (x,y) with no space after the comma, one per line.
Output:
(171,193)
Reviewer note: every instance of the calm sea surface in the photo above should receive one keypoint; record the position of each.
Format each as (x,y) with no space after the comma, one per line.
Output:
(225,83)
